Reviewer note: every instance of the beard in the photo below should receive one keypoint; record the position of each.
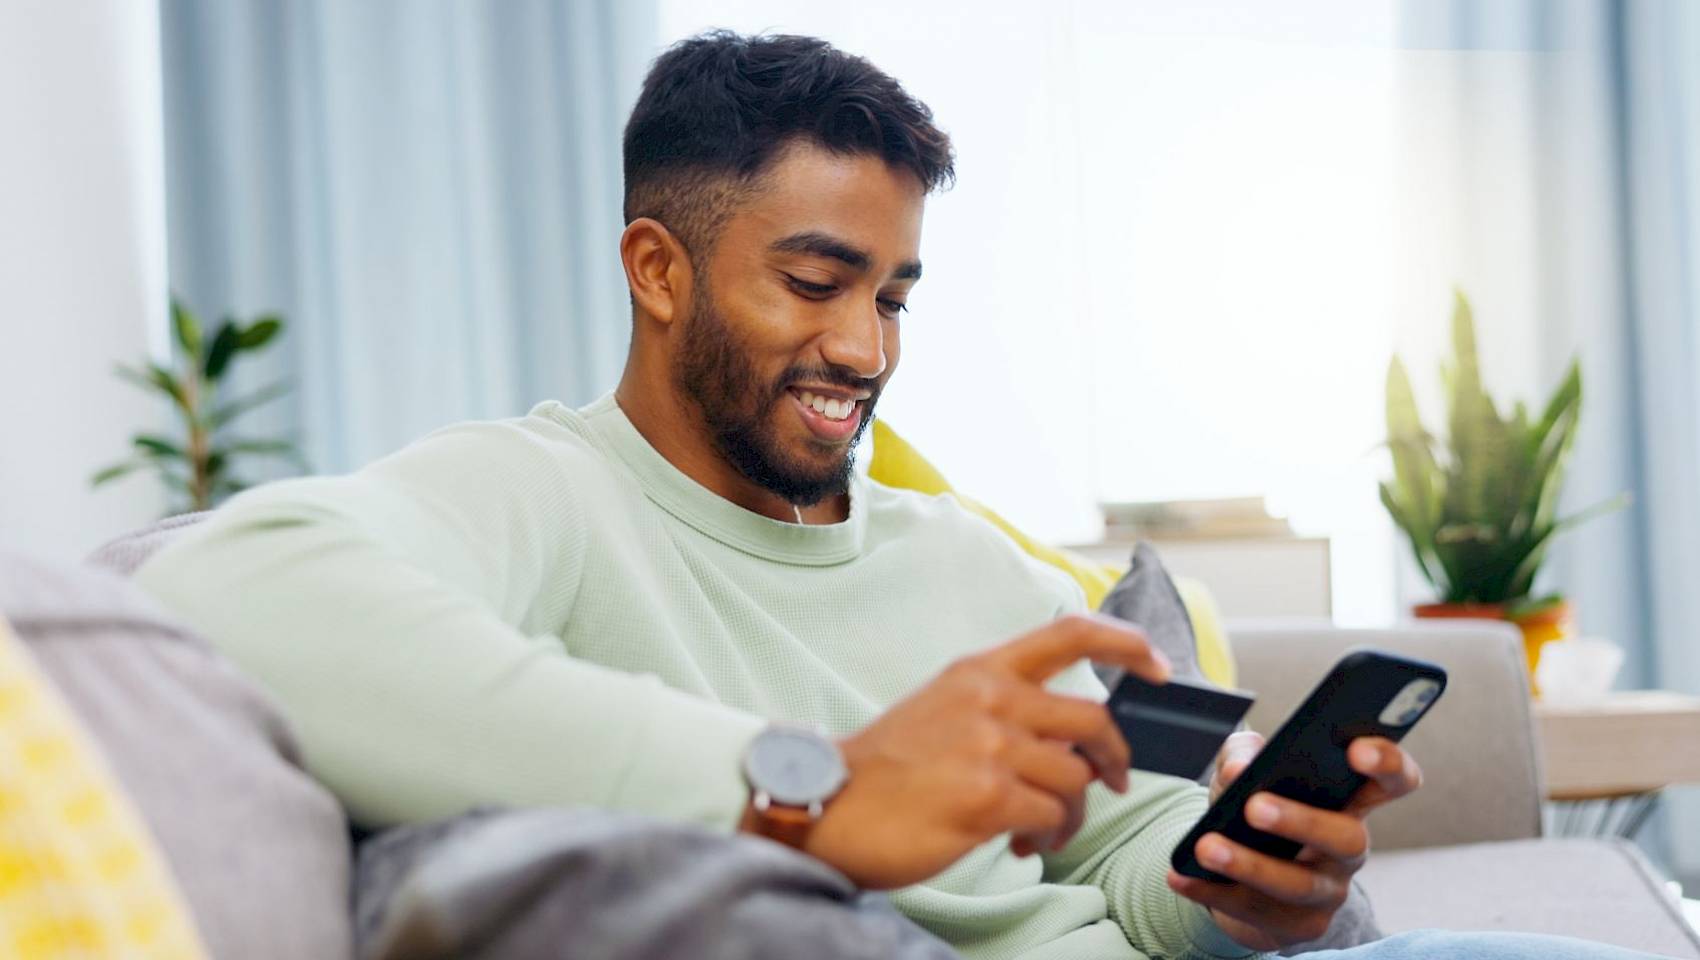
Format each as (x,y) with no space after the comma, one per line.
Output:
(712,367)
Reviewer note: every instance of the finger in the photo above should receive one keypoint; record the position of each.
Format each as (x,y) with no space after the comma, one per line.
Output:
(1054,768)
(1291,883)
(1109,756)
(1337,836)
(1031,814)
(1236,754)
(1049,766)
(1076,820)
(1044,652)
(1392,773)
(1081,722)
(1024,844)
(1058,716)
(1275,921)
(1232,899)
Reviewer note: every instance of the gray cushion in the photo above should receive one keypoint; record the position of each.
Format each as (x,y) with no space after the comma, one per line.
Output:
(1146,596)
(260,850)
(1594,889)
(592,883)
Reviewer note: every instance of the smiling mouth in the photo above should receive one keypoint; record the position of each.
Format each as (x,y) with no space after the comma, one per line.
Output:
(834,408)
(833,417)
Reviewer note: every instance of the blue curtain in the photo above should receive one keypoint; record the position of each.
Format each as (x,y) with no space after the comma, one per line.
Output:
(429,191)
(1611,97)
(1659,96)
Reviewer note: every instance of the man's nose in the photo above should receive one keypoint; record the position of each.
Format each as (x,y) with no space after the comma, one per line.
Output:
(858,342)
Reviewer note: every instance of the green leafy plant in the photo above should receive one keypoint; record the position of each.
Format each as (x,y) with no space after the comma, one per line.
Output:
(1480,509)
(198,463)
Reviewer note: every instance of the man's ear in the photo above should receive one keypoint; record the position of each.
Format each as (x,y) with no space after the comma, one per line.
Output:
(658,269)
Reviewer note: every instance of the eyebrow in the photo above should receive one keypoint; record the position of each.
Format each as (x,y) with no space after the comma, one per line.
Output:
(816,244)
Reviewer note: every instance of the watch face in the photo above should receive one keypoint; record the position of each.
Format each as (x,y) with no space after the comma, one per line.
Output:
(794,767)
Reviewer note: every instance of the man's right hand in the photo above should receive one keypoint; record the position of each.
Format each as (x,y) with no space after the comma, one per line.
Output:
(981,750)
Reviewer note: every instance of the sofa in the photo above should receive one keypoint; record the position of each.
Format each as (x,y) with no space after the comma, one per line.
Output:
(263,855)
(1465,852)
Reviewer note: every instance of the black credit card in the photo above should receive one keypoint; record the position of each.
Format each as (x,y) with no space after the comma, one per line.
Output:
(1175,727)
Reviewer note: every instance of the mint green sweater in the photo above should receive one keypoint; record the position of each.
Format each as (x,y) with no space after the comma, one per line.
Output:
(545,611)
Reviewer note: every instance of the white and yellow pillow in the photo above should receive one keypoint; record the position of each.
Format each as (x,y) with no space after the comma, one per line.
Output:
(79,874)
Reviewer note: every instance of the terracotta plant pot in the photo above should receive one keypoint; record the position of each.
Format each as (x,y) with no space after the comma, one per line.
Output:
(1551,622)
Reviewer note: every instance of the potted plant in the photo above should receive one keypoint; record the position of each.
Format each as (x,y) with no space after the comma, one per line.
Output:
(197,464)
(1480,508)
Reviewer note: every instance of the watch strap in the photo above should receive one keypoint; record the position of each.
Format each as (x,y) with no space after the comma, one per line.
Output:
(782,824)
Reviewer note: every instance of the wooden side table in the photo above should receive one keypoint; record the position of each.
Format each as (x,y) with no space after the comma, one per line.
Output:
(1605,760)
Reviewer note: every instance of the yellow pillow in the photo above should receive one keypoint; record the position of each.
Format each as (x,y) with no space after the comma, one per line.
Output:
(897,464)
(79,875)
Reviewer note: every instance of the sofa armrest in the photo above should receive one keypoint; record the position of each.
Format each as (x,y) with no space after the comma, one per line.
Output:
(1482,779)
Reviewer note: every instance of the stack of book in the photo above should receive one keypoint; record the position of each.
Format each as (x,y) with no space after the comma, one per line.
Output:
(1237,517)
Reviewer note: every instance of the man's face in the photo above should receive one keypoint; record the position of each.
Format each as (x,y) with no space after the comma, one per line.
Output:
(794,321)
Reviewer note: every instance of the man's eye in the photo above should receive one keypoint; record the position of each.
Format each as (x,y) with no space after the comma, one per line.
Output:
(810,289)
(893,307)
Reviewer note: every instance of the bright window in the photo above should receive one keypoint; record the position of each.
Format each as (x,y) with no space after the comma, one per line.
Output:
(1164,271)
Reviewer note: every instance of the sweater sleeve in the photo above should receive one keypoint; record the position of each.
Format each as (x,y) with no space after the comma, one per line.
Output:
(1123,849)
(405,618)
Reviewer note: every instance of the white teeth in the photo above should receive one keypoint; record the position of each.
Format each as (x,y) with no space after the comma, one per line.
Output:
(827,407)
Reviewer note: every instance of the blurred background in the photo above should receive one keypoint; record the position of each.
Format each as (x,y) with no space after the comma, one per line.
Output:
(1185,242)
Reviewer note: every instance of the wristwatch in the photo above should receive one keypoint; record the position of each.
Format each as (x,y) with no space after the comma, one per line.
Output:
(793,772)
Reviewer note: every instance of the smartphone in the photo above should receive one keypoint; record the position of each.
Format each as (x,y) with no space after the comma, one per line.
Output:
(1368,694)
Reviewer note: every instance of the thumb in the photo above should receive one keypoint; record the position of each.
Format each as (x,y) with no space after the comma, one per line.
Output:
(1232,759)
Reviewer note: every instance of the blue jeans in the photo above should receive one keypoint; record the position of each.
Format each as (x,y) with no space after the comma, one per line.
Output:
(1448,945)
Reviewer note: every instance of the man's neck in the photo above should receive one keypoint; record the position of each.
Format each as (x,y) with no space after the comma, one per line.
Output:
(683,442)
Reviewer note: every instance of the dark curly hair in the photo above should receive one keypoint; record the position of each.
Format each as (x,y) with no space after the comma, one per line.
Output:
(716,109)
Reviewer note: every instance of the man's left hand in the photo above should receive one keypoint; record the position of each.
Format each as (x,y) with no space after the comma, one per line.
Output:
(1274,903)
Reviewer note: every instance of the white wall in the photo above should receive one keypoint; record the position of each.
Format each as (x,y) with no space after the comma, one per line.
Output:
(82,263)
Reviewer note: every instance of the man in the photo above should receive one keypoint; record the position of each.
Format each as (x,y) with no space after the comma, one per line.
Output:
(615,606)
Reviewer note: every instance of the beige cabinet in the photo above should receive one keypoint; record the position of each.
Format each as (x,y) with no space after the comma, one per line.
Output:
(1251,577)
